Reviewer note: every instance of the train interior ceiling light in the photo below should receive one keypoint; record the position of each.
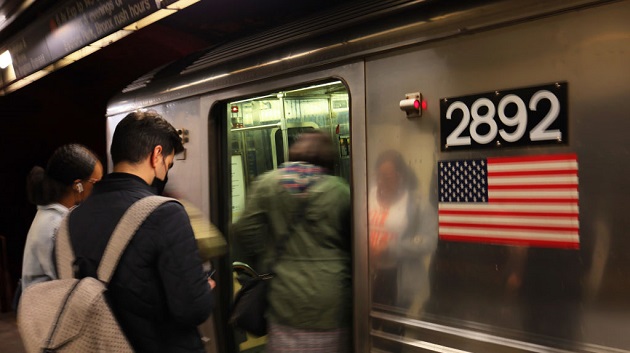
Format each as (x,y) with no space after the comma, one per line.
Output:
(5,59)
(161,13)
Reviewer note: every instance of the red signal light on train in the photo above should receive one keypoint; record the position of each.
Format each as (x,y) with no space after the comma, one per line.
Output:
(234,109)
(420,104)
(413,105)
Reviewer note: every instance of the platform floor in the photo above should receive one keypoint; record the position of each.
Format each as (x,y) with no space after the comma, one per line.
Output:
(10,341)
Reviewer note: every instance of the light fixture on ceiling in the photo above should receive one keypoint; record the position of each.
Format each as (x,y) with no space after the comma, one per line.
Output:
(5,59)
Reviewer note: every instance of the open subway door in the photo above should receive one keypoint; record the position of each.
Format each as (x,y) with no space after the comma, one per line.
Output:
(261,131)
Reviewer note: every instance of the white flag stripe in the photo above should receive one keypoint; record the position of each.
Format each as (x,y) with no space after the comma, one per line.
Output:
(569,221)
(533,193)
(511,234)
(568,208)
(534,180)
(533,166)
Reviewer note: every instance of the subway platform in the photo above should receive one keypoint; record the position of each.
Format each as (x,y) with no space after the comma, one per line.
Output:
(10,341)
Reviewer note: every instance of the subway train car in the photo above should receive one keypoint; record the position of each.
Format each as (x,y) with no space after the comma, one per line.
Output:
(493,129)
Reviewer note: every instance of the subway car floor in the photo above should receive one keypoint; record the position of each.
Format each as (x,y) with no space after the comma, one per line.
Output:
(10,341)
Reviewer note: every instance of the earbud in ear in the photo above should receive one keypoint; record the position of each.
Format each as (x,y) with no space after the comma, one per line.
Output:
(79,187)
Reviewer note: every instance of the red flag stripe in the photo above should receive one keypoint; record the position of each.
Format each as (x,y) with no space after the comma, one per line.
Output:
(572,172)
(567,200)
(507,226)
(510,213)
(507,241)
(533,187)
(540,158)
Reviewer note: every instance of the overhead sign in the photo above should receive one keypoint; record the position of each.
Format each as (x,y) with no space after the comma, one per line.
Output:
(70,26)
(516,117)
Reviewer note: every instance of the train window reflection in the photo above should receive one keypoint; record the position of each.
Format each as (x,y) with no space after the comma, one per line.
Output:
(402,238)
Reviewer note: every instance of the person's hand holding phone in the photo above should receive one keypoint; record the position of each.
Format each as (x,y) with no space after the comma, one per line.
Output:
(211,282)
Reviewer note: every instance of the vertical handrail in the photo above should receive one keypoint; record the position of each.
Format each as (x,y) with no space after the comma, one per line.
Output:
(283,127)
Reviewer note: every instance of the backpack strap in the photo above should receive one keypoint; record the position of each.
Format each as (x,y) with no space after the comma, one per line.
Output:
(135,215)
(124,231)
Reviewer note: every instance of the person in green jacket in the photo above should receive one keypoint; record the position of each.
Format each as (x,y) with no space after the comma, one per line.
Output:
(297,222)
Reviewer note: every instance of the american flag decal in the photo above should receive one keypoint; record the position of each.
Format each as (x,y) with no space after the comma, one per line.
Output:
(528,200)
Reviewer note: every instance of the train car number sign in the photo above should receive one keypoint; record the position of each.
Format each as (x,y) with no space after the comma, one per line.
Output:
(516,117)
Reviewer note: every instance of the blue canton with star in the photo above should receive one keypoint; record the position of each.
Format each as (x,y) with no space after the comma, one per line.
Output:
(463,180)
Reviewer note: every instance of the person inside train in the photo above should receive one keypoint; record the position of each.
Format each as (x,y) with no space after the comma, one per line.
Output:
(160,292)
(401,235)
(297,219)
(67,180)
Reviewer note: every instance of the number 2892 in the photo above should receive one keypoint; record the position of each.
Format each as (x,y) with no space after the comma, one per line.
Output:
(528,116)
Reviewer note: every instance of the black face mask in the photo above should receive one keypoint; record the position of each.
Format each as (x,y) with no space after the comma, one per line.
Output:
(159,184)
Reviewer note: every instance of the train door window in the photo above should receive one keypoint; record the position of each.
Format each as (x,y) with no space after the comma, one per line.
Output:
(261,129)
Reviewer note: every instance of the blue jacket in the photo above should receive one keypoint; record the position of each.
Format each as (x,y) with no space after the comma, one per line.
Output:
(38,264)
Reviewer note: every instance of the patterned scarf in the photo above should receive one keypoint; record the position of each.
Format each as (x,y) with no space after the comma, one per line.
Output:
(297,177)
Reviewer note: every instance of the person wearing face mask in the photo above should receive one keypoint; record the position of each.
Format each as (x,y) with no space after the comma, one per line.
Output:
(159,292)
(70,173)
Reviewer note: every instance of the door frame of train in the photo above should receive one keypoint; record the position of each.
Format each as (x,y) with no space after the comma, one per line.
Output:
(353,77)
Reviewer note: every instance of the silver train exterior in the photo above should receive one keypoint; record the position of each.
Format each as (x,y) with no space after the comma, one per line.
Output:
(485,293)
